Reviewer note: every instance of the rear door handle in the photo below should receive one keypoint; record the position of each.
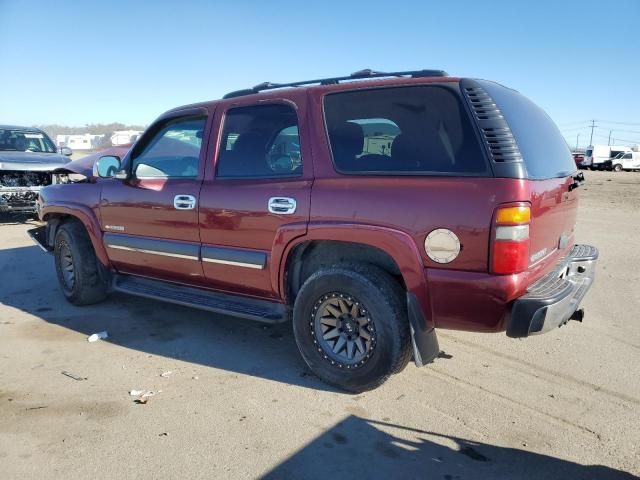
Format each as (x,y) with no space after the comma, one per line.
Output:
(184,202)
(282,205)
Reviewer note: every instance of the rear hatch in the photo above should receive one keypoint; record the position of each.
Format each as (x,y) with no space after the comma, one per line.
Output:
(536,144)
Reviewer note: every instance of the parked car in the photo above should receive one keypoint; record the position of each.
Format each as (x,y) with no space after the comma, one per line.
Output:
(599,157)
(459,215)
(626,161)
(27,159)
(578,158)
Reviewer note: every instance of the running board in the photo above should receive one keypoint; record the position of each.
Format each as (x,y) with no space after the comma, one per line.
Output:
(244,307)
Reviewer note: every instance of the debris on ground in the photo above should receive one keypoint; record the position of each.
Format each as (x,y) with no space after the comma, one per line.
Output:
(143,395)
(37,408)
(166,374)
(71,375)
(195,377)
(98,336)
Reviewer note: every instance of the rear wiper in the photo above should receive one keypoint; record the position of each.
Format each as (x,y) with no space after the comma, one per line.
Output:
(578,179)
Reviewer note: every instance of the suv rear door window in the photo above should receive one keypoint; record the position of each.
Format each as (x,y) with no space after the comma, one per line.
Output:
(402,130)
(260,141)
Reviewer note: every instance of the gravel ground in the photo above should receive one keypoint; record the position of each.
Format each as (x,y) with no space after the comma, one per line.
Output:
(239,402)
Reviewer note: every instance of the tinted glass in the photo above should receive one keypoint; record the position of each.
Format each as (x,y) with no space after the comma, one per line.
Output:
(260,142)
(173,152)
(544,149)
(25,141)
(402,130)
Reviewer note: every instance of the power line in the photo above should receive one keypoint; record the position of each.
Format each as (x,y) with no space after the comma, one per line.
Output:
(619,123)
(573,123)
(625,140)
(576,128)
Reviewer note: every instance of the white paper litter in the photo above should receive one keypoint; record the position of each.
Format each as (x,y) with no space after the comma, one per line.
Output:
(166,374)
(136,393)
(97,336)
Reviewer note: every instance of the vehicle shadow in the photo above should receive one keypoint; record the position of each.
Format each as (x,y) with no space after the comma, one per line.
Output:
(232,344)
(16,219)
(361,448)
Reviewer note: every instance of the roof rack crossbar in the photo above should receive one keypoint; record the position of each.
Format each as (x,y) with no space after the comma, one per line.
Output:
(361,74)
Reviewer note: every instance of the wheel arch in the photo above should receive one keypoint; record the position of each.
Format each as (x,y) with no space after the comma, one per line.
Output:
(56,215)
(392,250)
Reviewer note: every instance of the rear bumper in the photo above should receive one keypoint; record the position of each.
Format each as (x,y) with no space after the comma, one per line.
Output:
(554,299)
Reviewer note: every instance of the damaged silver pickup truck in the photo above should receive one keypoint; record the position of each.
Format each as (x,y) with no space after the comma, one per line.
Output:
(28,158)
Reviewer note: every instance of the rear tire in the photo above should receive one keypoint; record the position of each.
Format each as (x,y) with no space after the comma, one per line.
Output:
(617,168)
(78,269)
(366,339)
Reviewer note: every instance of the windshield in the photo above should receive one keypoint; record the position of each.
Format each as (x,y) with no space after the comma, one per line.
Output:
(25,141)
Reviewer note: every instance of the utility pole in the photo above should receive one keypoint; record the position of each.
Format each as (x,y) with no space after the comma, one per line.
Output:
(593,125)
(577,142)
(610,132)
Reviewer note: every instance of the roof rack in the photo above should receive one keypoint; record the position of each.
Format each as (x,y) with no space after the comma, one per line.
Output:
(361,74)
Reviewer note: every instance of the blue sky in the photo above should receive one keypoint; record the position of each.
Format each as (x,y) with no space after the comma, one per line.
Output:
(74,63)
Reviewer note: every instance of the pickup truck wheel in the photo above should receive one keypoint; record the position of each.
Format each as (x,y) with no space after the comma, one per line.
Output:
(77,267)
(351,326)
(617,167)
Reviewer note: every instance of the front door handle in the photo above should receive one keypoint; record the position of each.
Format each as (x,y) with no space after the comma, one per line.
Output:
(282,205)
(184,202)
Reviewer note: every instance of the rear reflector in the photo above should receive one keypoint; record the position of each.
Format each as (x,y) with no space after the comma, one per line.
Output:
(510,249)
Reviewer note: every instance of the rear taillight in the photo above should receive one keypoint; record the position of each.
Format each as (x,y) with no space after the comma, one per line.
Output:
(510,249)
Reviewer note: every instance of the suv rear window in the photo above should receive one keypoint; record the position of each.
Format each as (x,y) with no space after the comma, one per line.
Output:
(403,131)
(543,148)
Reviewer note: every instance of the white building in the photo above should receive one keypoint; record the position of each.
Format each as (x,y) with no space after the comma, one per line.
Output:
(85,141)
(124,137)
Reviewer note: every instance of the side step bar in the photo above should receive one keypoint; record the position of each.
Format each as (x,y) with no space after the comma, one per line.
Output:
(243,307)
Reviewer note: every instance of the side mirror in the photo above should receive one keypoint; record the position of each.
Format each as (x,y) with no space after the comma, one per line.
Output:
(106,167)
(66,151)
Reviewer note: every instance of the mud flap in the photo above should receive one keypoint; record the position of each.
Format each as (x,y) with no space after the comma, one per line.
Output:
(424,339)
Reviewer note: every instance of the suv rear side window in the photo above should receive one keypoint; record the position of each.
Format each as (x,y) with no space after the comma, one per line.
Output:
(173,152)
(543,148)
(260,141)
(402,130)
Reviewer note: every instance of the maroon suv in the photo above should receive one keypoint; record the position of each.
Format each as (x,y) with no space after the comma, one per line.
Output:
(369,209)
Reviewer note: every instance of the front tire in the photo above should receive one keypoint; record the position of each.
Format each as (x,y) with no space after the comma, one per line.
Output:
(617,168)
(78,269)
(350,324)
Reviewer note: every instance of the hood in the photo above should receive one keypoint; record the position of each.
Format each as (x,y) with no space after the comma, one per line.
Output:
(84,166)
(31,161)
